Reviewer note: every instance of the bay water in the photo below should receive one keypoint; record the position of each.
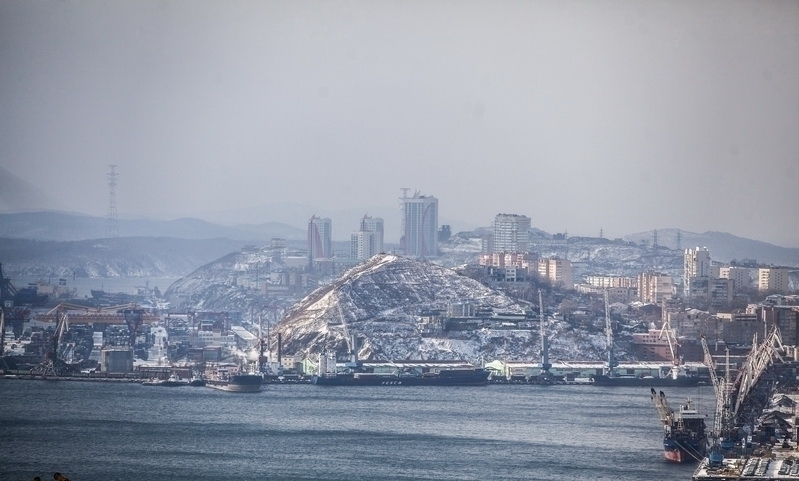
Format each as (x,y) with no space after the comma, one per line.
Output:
(101,431)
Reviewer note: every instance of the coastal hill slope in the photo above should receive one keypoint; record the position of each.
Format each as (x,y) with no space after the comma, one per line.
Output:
(382,300)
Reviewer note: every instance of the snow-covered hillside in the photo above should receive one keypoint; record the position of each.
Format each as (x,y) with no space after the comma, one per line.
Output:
(381,302)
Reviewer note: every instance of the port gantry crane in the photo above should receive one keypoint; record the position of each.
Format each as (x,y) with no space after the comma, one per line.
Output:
(676,359)
(736,403)
(545,375)
(722,418)
(52,365)
(753,385)
(611,362)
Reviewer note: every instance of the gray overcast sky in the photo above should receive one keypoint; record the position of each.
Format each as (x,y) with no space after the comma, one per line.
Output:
(583,115)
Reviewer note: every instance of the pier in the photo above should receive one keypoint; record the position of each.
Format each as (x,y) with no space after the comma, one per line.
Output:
(756,427)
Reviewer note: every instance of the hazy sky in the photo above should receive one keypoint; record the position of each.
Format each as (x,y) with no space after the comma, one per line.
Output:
(583,115)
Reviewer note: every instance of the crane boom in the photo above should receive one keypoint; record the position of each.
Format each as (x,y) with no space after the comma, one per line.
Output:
(662,406)
(545,364)
(609,339)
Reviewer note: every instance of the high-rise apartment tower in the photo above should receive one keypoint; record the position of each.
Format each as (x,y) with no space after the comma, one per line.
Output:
(420,225)
(320,243)
(511,233)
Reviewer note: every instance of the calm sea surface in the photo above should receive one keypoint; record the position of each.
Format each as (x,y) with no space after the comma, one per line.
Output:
(95,431)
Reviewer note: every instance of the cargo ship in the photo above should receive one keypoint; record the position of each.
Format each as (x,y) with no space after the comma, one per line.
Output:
(684,438)
(677,375)
(398,373)
(230,378)
(442,377)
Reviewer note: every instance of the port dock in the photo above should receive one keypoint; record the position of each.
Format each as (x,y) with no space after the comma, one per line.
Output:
(756,425)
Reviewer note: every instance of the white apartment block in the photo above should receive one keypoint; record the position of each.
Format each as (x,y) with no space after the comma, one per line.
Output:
(511,233)
(740,276)
(773,279)
(523,260)
(558,271)
(654,287)
(364,245)
(611,281)
(368,241)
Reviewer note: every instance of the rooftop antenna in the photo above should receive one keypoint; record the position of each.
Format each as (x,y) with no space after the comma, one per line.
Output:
(112,201)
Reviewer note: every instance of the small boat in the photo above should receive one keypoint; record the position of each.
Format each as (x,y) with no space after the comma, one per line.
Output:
(173,381)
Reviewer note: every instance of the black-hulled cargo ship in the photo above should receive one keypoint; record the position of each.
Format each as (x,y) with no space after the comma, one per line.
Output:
(230,378)
(398,373)
(684,438)
(442,377)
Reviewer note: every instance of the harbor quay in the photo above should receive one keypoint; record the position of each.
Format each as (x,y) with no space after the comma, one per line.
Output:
(770,453)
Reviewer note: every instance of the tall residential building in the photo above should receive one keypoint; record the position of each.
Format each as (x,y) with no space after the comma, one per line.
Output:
(367,241)
(511,233)
(773,279)
(654,287)
(420,225)
(320,235)
(696,266)
(558,271)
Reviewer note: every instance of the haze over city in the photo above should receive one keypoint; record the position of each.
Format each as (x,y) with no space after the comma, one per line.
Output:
(621,116)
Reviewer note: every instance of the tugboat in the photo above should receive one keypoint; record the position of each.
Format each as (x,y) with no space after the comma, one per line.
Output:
(684,437)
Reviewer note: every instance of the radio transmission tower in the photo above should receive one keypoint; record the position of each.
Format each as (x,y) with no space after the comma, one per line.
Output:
(112,201)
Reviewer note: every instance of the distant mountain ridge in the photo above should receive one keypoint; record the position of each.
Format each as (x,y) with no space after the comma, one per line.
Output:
(121,257)
(63,226)
(723,247)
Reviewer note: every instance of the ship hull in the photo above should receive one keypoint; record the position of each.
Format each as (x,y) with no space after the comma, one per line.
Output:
(240,383)
(476,377)
(683,451)
(686,381)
